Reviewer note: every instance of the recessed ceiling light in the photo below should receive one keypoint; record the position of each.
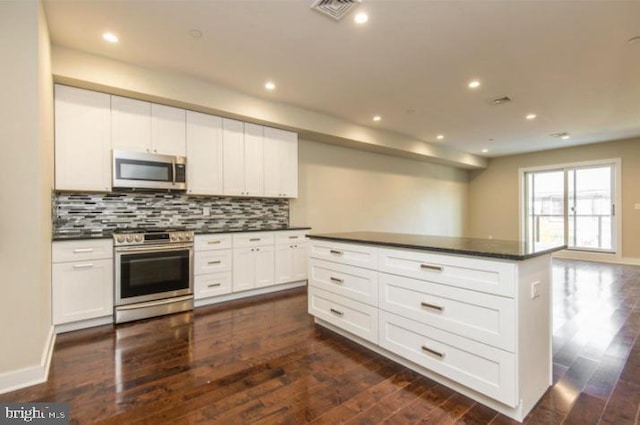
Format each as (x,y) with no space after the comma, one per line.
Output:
(377,118)
(361,18)
(195,33)
(474,84)
(485,150)
(531,116)
(565,137)
(270,85)
(440,136)
(110,37)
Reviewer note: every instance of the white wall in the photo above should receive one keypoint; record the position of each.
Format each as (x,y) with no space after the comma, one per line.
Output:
(343,189)
(26,132)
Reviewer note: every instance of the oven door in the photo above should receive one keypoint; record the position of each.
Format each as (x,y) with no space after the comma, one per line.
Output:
(146,273)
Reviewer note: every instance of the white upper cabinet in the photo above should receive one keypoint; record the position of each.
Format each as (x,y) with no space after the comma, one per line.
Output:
(254,159)
(145,127)
(82,140)
(204,154)
(243,158)
(130,124)
(168,130)
(280,163)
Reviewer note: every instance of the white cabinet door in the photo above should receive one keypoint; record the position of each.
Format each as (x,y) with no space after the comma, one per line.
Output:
(233,152)
(82,290)
(244,275)
(130,124)
(291,263)
(168,130)
(204,154)
(254,159)
(82,139)
(264,266)
(280,163)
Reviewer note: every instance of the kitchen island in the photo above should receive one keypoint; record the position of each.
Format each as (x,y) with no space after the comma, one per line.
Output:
(472,314)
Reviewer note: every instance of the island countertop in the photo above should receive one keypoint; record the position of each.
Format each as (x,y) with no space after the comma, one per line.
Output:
(492,248)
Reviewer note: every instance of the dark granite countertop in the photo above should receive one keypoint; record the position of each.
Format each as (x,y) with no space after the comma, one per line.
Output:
(80,235)
(493,248)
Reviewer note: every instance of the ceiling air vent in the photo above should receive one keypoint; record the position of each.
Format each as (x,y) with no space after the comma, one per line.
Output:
(500,100)
(337,9)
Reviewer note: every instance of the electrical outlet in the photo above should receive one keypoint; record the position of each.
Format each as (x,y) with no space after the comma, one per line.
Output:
(636,207)
(535,289)
(206,211)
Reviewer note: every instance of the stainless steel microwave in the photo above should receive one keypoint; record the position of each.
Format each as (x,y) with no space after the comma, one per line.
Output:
(133,170)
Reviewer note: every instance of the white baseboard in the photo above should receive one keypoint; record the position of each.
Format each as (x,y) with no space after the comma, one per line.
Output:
(596,257)
(83,324)
(250,293)
(21,378)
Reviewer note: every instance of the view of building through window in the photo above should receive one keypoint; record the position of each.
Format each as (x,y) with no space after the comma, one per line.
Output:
(573,205)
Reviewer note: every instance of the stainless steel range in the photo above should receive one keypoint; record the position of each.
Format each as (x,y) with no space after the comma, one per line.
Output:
(153,273)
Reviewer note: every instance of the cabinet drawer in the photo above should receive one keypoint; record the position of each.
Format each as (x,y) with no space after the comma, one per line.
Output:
(211,242)
(211,285)
(482,317)
(354,317)
(477,366)
(292,236)
(212,261)
(352,282)
(350,254)
(493,277)
(93,249)
(245,240)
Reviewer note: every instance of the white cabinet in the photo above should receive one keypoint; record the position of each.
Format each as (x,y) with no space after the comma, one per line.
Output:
(82,140)
(213,265)
(243,158)
(168,130)
(145,127)
(253,260)
(291,256)
(280,163)
(82,286)
(204,154)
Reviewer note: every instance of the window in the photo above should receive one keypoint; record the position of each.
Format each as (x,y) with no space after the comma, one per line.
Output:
(571,204)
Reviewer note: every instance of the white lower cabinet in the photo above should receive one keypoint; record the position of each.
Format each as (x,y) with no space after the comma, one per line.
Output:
(253,267)
(291,256)
(466,322)
(81,287)
(212,266)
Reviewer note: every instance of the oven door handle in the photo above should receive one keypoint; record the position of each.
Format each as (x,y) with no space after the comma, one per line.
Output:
(155,248)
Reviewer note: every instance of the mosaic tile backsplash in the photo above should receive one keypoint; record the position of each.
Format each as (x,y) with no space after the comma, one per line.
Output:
(91,212)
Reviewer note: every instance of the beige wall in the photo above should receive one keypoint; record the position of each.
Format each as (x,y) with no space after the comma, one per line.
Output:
(494,192)
(343,189)
(26,179)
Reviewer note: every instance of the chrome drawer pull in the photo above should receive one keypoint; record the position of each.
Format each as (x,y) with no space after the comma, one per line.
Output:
(433,306)
(254,239)
(335,251)
(336,280)
(430,267)
(434,352)
(82,266)
(81,250)
(336,312)
(214,262)
(293,237)
(214,242)
(213,285)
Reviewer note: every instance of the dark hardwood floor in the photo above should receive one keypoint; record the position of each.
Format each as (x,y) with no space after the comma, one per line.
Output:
(264,361)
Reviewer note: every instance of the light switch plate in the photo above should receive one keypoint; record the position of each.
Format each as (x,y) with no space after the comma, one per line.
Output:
(636,207)
(535,289)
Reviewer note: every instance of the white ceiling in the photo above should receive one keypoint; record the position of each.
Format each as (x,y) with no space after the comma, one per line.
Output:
(567,61)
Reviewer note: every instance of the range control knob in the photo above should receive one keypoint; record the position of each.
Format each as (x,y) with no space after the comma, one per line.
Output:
(138,238)
(174,237)
(120,238)
(182,236)
(129,238)
(189,236)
